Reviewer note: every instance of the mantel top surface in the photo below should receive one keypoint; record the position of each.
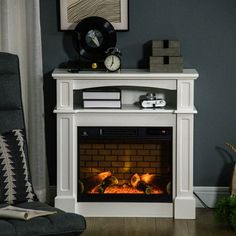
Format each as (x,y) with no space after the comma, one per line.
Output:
(124,74)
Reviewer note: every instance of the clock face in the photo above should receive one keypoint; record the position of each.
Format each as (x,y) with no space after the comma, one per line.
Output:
(112,62)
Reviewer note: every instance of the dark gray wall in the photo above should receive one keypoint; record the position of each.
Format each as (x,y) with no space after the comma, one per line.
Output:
(207,33)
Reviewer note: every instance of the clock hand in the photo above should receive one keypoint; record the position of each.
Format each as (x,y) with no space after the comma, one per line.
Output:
(112,61)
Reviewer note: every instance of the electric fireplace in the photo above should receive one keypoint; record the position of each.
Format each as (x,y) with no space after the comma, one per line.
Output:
(125,164)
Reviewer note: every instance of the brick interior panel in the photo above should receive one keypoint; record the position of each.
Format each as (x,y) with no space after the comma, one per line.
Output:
(124,160)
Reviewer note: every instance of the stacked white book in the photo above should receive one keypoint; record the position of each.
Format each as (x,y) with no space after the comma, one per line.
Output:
(102,98)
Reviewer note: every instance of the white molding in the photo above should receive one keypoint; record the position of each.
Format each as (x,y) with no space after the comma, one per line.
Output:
(210,195)
(184,200)
(64,94)
(124,74)
(185,95)
(125,209)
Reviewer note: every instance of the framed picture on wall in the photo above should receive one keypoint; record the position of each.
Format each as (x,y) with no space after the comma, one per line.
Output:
(73,11)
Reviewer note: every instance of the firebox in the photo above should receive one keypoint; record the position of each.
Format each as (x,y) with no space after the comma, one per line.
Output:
(125,164)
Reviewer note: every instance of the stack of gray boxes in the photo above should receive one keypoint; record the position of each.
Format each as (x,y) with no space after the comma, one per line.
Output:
(166,57)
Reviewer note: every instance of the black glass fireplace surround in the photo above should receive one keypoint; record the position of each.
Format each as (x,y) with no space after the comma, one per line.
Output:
(125,164)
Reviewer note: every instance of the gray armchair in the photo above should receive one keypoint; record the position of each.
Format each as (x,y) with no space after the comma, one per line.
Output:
(15,180)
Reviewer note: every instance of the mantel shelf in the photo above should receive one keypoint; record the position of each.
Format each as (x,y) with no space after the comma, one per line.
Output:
(126,108)
(124,74)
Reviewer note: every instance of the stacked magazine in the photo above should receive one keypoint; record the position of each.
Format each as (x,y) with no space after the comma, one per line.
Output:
(22,213)
(101,98)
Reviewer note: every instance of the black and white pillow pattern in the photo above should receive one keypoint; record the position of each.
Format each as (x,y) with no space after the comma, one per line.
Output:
(15,179)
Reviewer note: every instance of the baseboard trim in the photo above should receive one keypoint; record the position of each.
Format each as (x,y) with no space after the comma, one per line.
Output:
(209,195)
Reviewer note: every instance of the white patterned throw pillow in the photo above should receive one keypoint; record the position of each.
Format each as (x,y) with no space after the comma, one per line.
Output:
(15,179)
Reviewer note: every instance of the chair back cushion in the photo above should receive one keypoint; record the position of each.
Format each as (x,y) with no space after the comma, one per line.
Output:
(15,179)
(11,111)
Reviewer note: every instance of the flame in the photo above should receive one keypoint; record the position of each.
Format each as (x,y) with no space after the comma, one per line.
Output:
(104,175)
(147,178)
(125,189)
(95,190)
(128,188)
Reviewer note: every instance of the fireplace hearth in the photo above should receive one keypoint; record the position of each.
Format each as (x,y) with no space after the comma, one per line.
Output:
(125,164)
(138,162)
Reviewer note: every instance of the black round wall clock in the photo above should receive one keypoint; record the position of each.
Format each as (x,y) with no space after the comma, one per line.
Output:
(93,36)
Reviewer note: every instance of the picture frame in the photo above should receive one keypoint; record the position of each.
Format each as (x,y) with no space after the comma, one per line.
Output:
(73,11)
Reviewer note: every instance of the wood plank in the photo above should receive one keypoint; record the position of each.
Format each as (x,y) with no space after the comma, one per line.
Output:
(139,226)
(169,227)
(204,225)
(104,226)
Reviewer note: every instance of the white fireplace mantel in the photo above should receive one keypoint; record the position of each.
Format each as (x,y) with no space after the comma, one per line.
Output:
(180,117)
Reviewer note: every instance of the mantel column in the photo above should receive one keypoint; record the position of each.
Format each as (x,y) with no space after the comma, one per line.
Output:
(184,200)
(66,163)
(64,95)
(185,96)
(184,203)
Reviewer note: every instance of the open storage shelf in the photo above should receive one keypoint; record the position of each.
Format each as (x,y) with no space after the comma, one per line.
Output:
(126,108)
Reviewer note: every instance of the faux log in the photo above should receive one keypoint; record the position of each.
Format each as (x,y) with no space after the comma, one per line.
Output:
(91,182)
(108,181)
(135,179)
(142,186)
(163,183)
(137,183)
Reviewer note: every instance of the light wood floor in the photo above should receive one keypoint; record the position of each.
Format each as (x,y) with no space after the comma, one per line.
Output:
(204,225)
